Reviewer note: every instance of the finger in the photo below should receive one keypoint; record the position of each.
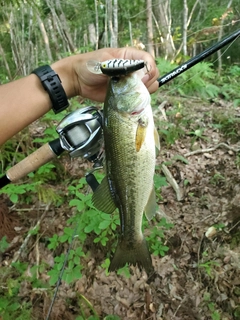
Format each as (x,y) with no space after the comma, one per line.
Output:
(153,87)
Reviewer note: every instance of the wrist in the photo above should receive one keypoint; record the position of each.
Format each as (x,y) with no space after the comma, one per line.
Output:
(65,69)
(52,84)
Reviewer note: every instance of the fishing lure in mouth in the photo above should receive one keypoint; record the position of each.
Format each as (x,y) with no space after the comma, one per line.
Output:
(116,67)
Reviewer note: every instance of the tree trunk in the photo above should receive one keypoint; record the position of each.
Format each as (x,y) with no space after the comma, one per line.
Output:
(97,25)
(150,44)
(220,37)
(106,25)
(185,27)
(65,27)
(115,24)
(2,53)
(163,15)
(45,38)
(112,23)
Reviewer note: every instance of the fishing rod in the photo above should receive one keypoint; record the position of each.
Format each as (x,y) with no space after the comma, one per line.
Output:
(198,58)
(80,131)
(80,135)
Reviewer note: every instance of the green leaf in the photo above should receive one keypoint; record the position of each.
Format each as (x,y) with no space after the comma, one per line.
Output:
(89,228)
(112,317)
(54,274)
(106,216)
(104,224)
(13,306)
(3,303)
(159,181)
(63,238)
(14,198)
(124,271)
(181,158)
(3,244)
(77,203)
(53,242)
(106,264)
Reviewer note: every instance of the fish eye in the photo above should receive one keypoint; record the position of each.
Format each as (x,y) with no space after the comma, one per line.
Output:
(104,65)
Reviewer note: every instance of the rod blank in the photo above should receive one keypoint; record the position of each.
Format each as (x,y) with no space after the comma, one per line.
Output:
(198,58)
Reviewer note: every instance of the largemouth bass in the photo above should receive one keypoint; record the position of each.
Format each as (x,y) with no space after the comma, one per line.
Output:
(129,141)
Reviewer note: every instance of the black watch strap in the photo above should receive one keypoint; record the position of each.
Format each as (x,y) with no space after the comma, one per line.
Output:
(52,84)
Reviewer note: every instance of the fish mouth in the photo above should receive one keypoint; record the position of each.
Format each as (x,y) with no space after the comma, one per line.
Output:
(122,85)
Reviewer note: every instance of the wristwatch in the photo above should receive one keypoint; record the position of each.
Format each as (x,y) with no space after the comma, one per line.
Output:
(52,84)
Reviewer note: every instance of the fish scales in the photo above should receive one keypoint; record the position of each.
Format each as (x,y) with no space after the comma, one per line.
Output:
(130,163)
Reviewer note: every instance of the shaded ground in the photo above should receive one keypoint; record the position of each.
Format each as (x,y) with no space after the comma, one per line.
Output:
(199,278)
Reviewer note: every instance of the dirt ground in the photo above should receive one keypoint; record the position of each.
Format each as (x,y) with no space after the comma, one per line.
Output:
(199,277)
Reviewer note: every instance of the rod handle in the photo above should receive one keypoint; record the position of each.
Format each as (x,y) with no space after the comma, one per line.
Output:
(31,163)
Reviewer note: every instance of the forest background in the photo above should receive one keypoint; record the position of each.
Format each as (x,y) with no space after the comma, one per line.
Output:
(197,116)
(37,32)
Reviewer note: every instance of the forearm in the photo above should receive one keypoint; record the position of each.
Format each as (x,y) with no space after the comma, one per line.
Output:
(22,102)
(25,100)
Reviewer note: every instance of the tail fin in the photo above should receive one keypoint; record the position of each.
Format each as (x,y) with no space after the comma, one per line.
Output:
(138,255)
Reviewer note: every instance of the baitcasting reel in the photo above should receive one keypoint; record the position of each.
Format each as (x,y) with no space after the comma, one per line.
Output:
(80,133)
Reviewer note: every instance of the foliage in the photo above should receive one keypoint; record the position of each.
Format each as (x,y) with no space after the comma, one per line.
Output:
(3,244)
(197,81)
(212,307)
(229,83)
(208,267)
(12,305)
(70,27)
(101,227)
(25,192)
(227,123)
(156,238)
(86,221)
(174,128)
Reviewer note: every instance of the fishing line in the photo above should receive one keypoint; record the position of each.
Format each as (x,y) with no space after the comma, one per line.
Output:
(61,273)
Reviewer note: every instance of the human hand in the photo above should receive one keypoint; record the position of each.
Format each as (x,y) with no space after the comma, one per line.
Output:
(93,86)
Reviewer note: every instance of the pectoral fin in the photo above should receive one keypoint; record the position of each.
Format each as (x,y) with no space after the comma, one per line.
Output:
(151,205)
(156,138)
(140,134)
(102,198)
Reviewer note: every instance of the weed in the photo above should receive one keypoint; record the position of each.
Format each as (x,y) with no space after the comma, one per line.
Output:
(12,305)
(220,226)
(208,267)
(21,193)
(156,238)
(212,307)
(99,225)
(227,124)
(196,81)
(88,220)
(175,128)
(230,85)
(217,179)
(159,182)
(3,244)
(170,133)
